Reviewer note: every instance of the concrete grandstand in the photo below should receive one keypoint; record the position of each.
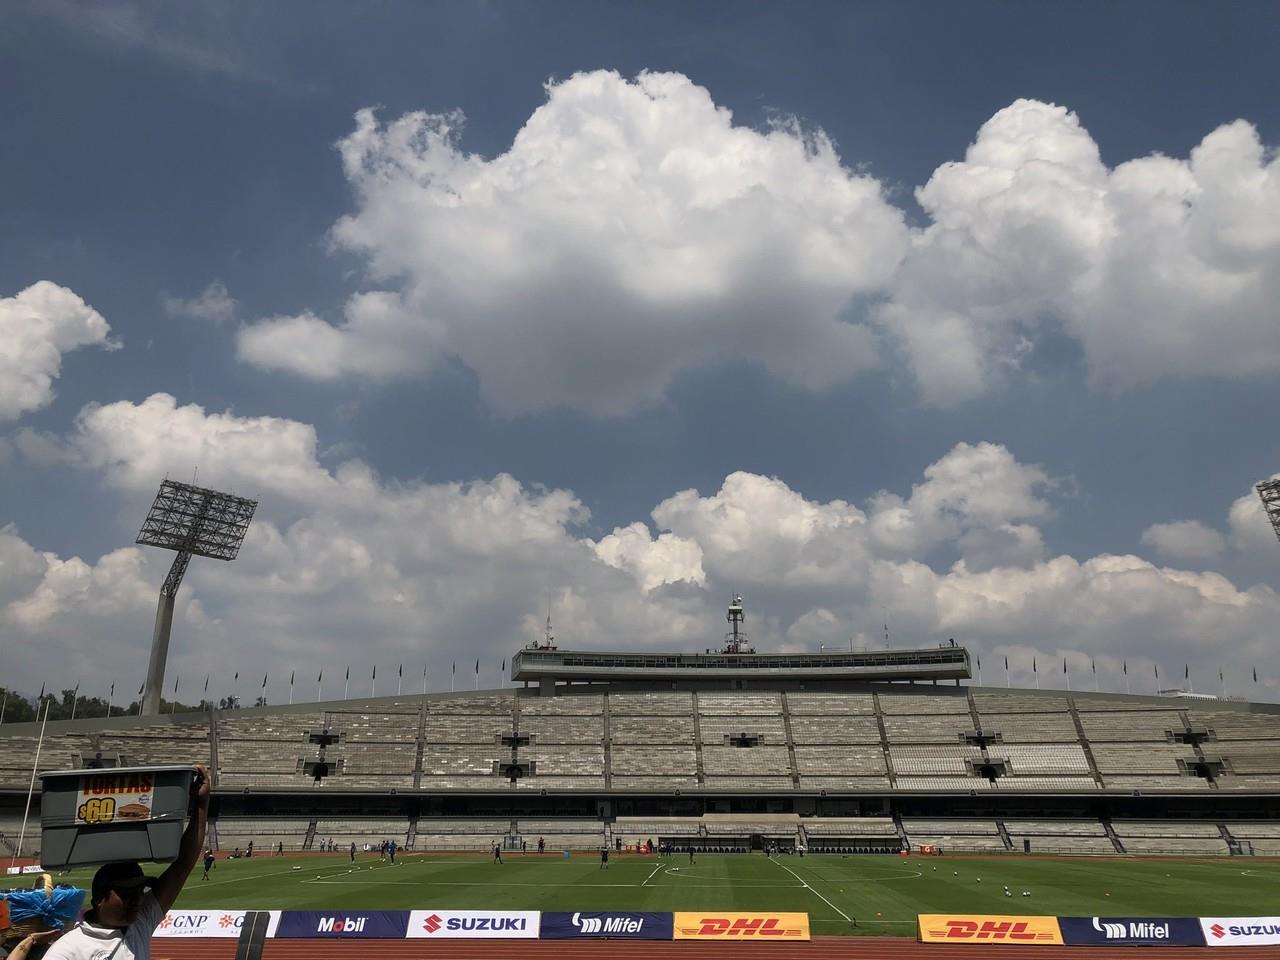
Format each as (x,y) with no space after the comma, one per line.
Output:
(727,751)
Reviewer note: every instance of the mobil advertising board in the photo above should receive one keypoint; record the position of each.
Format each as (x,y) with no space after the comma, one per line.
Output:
(1131,931)
(1240,931)
(473,924)
(343,925)
(614,925)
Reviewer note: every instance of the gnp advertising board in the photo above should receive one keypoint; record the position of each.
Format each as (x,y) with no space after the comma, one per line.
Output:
(1240,931)
(216,924)
(623,926)
(1131,931)
(473,924)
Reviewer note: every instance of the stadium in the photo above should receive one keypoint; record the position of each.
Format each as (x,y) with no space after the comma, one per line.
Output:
(862,789)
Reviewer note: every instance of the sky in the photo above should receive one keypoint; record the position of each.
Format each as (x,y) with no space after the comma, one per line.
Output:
(907,321)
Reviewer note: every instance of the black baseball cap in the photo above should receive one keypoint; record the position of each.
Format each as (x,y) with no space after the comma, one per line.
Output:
(123,875)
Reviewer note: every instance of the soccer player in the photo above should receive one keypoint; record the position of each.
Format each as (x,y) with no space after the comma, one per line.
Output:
(391,850)
(604,858)
(353,851)
(497,853)
(208,863)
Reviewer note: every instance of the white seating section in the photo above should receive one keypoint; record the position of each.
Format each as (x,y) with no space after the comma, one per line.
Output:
(664,742)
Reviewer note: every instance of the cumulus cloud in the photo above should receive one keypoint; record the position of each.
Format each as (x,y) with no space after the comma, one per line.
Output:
(37,327)
(342,567)
(631,233)
(1185,540)
(1159,267)
(213,305)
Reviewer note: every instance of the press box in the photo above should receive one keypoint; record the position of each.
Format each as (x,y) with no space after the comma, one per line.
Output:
(121,813)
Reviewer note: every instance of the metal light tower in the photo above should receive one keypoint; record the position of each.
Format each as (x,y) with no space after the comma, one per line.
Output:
(192,521)
(1269,492)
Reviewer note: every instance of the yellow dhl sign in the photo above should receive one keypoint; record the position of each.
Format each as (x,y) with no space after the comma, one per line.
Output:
(716,925)
(988,929)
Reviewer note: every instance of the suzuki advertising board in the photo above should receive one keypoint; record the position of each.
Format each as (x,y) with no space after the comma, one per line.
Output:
(473,924)
(988,929)
(1240,931)
(712,925)
(1131,931)
(342,925)
(622,926)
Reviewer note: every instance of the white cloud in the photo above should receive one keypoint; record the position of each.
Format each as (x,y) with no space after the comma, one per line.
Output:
(654,561)
(37,327)
(1157,268)
(340,568)
(631,233)
(1184,540)
(213,305)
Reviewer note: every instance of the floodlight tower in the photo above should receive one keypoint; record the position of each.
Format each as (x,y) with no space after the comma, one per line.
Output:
(192,521)
(1269,492)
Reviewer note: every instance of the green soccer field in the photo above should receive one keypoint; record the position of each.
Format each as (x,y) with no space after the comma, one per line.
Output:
(883,894)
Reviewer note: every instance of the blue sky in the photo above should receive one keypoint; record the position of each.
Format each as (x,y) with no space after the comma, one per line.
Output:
(960,317)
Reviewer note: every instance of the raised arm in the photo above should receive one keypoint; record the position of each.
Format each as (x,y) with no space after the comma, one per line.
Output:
(170,883)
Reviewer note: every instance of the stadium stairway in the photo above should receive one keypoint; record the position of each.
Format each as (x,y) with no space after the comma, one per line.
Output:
(1004,834)
(1112,835)
(1084,743)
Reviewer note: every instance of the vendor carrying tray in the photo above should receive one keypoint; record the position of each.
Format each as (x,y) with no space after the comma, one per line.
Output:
(121,813)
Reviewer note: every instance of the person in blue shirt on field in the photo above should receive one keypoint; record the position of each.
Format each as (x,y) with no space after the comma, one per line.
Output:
(391,850)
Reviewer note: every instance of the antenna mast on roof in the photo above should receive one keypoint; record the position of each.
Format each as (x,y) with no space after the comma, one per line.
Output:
(736,641)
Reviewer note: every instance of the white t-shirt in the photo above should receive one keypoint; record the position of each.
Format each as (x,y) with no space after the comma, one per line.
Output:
(91,942)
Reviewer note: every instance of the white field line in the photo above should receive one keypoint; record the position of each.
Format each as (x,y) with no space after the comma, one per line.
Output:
(651,876)
(201,884)
(805,883)
(474,883)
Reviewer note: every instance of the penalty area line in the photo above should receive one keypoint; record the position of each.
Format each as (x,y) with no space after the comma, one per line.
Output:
(805,884)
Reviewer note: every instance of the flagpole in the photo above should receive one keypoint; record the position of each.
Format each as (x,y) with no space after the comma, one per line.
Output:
(5,703)
(110,697)
(373,682)
(1007,681)
(1065,674)
(979,671)
(291,688)
(22,834)
(319,677)
(399,678)
(75,698)
(346,683)
(453,676)
(424,681)
(1126,677)
(1094,664)
(173,707)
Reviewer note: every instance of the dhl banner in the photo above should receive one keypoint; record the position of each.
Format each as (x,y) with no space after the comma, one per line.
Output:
(714,925)
(988,929)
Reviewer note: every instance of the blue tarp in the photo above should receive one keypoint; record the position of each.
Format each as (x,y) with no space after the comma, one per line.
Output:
(56,913)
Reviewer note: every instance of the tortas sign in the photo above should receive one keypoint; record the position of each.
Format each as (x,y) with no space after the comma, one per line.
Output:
(112,798)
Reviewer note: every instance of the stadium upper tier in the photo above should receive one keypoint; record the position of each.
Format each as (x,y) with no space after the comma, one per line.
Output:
(548,665)
(598,740)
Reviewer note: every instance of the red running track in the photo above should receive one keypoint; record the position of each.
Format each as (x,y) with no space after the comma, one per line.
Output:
(820,948)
